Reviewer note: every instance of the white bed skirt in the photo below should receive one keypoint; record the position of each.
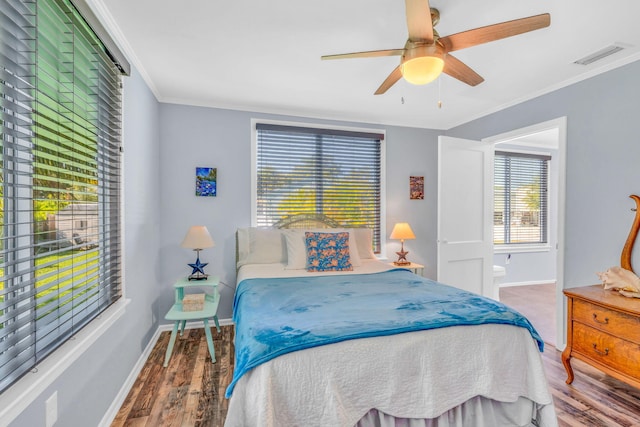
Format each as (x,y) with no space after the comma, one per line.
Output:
(476,412)
(416,375)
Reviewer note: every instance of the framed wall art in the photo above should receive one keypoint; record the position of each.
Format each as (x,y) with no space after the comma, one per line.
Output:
(416,187)
(206,182)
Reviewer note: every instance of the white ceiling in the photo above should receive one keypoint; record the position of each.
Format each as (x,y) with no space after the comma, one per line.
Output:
(264,56)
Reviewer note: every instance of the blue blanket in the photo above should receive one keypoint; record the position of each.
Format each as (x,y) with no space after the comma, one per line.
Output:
(279,316)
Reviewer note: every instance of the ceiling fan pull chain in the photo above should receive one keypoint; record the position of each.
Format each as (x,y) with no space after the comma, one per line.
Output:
(440,91)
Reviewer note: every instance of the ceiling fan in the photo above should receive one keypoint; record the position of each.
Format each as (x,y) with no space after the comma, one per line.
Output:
(425,54)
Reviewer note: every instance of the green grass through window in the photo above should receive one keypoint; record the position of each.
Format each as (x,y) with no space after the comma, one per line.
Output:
(77,271)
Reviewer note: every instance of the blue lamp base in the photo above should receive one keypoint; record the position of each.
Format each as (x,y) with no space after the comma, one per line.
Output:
(197,272)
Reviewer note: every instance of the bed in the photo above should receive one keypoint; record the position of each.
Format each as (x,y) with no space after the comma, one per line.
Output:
(357,342)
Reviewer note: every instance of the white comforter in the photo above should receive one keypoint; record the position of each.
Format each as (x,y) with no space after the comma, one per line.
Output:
(413,375)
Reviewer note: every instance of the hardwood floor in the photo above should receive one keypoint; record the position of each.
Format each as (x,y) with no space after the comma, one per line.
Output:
(537,303)
(190,392)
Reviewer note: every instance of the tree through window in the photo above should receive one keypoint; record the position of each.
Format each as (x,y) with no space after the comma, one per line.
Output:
(303,170)
(520,198)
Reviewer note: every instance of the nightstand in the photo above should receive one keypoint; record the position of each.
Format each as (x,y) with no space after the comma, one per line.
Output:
(411,266)
(180,317)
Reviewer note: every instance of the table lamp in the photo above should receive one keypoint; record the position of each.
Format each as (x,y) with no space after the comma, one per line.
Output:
(198,238)
(402,231)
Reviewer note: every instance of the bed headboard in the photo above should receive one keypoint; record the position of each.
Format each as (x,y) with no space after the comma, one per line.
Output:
(307,221)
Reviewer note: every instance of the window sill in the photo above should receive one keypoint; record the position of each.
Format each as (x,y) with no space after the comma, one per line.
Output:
(14,400)
(516,249)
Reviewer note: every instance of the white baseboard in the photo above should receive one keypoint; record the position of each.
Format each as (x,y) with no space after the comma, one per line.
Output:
(533,282)
(111,413)
(115,406)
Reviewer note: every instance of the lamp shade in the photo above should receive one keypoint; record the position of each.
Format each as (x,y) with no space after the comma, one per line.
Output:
(422,70)
(402,231)
(198,237)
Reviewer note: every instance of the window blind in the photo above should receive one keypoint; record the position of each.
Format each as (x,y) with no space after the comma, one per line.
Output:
(520,198)
(336,173)
(60,256)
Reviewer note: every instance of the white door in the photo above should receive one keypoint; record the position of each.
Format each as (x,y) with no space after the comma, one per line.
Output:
(465,217)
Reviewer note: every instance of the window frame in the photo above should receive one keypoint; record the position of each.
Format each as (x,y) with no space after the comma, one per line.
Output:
(509,248)
(254,169)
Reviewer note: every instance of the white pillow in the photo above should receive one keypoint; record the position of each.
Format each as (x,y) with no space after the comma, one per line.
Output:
(242,246)
(261,246)
(297,247)
(364,242)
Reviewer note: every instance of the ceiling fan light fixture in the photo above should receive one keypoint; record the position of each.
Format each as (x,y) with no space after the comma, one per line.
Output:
(422,70)
(424,53)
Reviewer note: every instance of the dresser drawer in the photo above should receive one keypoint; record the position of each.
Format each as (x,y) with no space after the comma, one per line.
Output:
(618,354)
(615,323)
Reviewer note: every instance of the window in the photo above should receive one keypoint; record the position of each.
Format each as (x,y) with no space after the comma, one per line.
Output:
(520,198)
(331,172)
(60,256)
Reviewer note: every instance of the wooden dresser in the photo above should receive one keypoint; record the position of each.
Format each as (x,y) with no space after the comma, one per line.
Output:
(603,330)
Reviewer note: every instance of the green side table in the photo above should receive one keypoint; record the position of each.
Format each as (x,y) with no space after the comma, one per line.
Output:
(180,317)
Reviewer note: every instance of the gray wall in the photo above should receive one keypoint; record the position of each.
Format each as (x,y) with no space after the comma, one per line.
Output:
(603,153)
(87,388)
(197,136)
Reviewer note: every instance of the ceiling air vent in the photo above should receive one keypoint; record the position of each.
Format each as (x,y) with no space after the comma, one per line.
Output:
(597,56)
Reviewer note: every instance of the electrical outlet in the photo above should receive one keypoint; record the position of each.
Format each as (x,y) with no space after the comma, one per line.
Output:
(51,410)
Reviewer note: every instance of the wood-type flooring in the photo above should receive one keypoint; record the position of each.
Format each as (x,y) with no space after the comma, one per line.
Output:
(190,391)
(537,303)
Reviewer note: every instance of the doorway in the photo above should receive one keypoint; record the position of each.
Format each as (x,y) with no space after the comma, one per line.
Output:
(533,277)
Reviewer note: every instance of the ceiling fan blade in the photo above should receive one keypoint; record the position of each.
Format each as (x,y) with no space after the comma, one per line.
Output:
(368,54)
(494,32)
(461,71)
(419,21)
(390,81)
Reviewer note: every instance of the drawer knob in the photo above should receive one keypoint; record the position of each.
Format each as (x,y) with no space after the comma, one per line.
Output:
(603,322)
(600,352)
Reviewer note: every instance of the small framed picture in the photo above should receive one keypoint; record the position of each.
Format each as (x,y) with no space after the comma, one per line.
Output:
(416,187)
(206,182)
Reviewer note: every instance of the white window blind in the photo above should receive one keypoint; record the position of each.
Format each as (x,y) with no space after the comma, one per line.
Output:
(336,173)
(520,198)
(60,255)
